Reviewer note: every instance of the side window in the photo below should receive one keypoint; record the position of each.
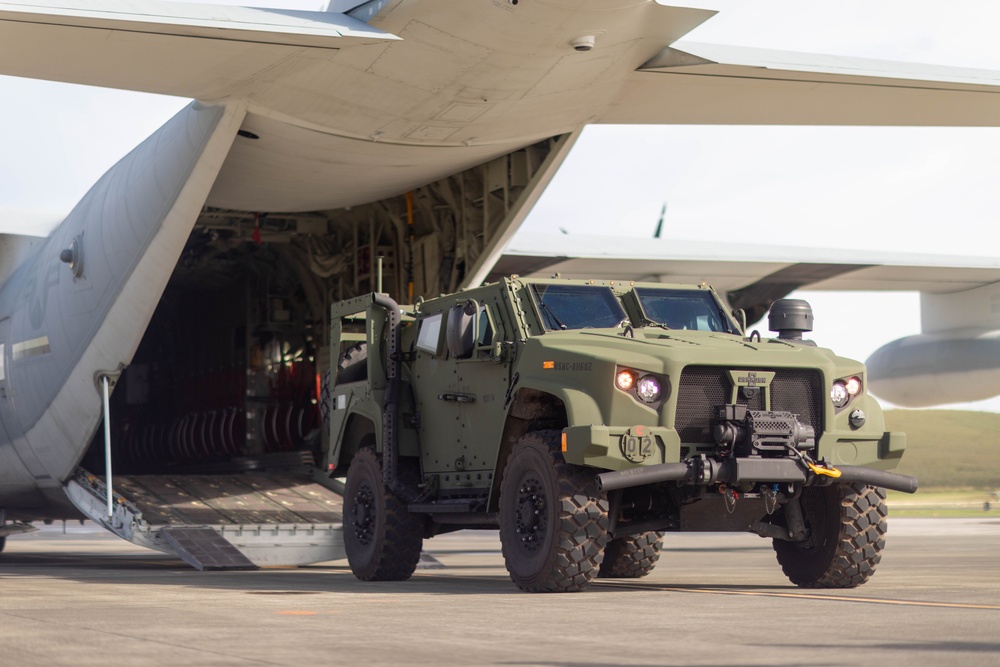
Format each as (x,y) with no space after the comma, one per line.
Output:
(485,334)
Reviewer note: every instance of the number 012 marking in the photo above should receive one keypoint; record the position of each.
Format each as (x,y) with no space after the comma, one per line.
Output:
(637,448)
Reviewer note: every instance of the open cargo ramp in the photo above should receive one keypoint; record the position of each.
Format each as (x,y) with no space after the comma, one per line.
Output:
(270,518)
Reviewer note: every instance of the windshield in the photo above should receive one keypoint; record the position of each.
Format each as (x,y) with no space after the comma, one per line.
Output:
(578,306)
(683,309)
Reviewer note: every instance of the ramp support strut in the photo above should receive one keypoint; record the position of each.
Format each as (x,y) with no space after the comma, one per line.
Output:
(107,440)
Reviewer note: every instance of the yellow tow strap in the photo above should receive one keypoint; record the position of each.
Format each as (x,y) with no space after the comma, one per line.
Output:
(829,472)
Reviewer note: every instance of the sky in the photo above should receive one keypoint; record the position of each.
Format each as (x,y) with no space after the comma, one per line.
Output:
(893,189)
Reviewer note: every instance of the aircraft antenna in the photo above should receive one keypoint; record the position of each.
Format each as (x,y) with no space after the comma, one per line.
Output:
(659,225)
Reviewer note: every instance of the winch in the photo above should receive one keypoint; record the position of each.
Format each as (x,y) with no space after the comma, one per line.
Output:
(741,432)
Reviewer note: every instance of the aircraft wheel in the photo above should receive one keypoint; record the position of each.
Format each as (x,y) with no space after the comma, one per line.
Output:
(553,520)
(847,524)
(632,556)
(381,537)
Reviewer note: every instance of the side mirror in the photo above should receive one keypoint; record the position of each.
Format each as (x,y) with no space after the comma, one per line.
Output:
(461,329)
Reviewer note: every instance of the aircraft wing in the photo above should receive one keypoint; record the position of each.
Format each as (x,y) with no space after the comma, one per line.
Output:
(212,52)
(697,83)
(188,50)
(751,276)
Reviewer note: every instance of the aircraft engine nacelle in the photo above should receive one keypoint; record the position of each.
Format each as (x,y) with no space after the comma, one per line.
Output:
(954,366)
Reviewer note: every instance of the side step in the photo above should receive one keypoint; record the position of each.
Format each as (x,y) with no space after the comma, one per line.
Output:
(205,549)
(268,518)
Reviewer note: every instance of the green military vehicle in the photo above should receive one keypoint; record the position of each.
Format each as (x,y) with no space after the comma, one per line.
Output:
(586,418)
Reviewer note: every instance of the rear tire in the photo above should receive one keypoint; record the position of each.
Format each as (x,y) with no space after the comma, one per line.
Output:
(3,543)
(381,537)
(847,523)
(633,556)
(553,520)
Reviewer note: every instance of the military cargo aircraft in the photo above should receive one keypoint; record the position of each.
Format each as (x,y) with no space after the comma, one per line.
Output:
(184,301)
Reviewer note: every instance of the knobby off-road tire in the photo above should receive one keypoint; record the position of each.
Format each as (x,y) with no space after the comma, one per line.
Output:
(848,526)
(633,556)
(382,539)
(553,520)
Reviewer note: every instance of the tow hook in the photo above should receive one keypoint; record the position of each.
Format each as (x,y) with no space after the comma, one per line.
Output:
(821,467)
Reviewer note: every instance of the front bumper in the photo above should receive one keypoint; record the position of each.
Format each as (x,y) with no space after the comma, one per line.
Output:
(622,447)
(639,455)
(734,471)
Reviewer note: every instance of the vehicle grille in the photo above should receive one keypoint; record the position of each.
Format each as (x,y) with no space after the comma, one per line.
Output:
(704,387)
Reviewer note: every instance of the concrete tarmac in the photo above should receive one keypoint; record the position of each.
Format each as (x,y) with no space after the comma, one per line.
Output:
(87,598)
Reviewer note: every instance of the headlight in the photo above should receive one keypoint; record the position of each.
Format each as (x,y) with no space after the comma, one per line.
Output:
(839,394)
(648,389)
(844,390)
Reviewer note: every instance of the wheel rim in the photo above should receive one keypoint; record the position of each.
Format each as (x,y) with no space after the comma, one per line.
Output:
(532,520)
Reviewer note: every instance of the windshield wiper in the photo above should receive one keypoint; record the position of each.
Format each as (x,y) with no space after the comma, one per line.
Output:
(549,314)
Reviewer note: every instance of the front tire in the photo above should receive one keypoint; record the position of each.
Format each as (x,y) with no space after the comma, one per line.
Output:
(847,524)
(632,556)
(553,520)
(381,537)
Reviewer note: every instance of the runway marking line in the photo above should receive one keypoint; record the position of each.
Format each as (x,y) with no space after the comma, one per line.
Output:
(807,596)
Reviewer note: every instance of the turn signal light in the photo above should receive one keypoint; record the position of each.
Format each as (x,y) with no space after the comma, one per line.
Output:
(625,380)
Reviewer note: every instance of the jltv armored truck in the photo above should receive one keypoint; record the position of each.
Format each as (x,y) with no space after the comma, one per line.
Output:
(585,419)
